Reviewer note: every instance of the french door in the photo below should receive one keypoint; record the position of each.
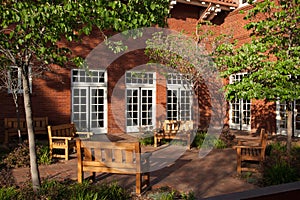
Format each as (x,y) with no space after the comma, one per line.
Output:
(282,117)
(89,100)
(239,109)
(240,114)
(179,104)
(140,111)
(179,97)
(140,101)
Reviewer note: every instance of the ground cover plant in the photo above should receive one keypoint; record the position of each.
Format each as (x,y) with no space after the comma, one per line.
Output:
(18,156)
(280,166)
(211,141)
(51,189)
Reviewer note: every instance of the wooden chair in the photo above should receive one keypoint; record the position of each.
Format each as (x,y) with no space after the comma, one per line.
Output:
(246,153)
(62,137)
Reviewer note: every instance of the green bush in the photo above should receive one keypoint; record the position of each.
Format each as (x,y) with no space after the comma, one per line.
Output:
(276,146)
(19,156)
(279,166)
(279,173)
(147,141)
(54,190)
(8,193)
(167,193)
(43,154)
(210,141)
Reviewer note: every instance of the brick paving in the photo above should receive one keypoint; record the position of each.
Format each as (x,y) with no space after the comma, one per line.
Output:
(212,175)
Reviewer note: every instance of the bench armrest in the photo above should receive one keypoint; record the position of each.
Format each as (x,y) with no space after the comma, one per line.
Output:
(62,138)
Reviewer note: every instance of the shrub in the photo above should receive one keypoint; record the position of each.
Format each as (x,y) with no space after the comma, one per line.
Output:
(8,193)
(167,193)
(19,156)
(54,190)
(43,154)
(279,173)
(210,141)
(279,166)
(147,141)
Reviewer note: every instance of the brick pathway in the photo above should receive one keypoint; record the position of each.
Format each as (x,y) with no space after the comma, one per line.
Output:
(215,174)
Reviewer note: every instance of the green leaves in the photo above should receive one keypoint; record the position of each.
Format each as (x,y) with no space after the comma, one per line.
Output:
(272,57)
(36,27)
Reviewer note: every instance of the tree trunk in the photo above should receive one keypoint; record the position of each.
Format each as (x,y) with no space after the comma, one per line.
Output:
(35,175)
(289,127)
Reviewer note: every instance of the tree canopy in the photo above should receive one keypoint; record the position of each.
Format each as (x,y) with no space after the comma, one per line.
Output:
(31,29)
(272,59)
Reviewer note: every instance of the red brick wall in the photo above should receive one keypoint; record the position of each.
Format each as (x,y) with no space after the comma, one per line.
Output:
(52,95)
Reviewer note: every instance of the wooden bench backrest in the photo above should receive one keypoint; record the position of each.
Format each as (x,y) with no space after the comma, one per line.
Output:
(38,122)
(114,157)
(171,125)
(63,130)
(186,125)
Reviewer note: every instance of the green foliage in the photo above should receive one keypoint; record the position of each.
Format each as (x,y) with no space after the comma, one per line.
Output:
(31,29)
(19,156)
(272,58)
(8,193)
(275,147)
(43,153)
(210,141)
(280,166)
(147,141)
(279,173)
(167,193)
(51,189)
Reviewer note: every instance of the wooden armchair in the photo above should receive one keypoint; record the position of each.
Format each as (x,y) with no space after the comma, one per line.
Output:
(250,152)
(62,137)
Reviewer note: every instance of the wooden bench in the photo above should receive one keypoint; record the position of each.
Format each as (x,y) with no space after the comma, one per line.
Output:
(62,137)
(251,152)
(113,157)
(173,129)
(11,127)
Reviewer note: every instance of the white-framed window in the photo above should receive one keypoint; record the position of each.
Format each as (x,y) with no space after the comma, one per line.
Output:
(140,100)
(15,80)
(89,100)
(239,109)
(179,98)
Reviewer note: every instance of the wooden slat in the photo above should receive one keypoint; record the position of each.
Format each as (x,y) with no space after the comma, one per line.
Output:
(111,157)
(125,166)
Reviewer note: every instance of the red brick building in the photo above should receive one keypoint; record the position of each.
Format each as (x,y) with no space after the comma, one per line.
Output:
(94,101)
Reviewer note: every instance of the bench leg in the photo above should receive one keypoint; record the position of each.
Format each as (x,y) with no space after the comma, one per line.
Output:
(51,153)
(155,141)
(239,164)
(66,153)
(138,184)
